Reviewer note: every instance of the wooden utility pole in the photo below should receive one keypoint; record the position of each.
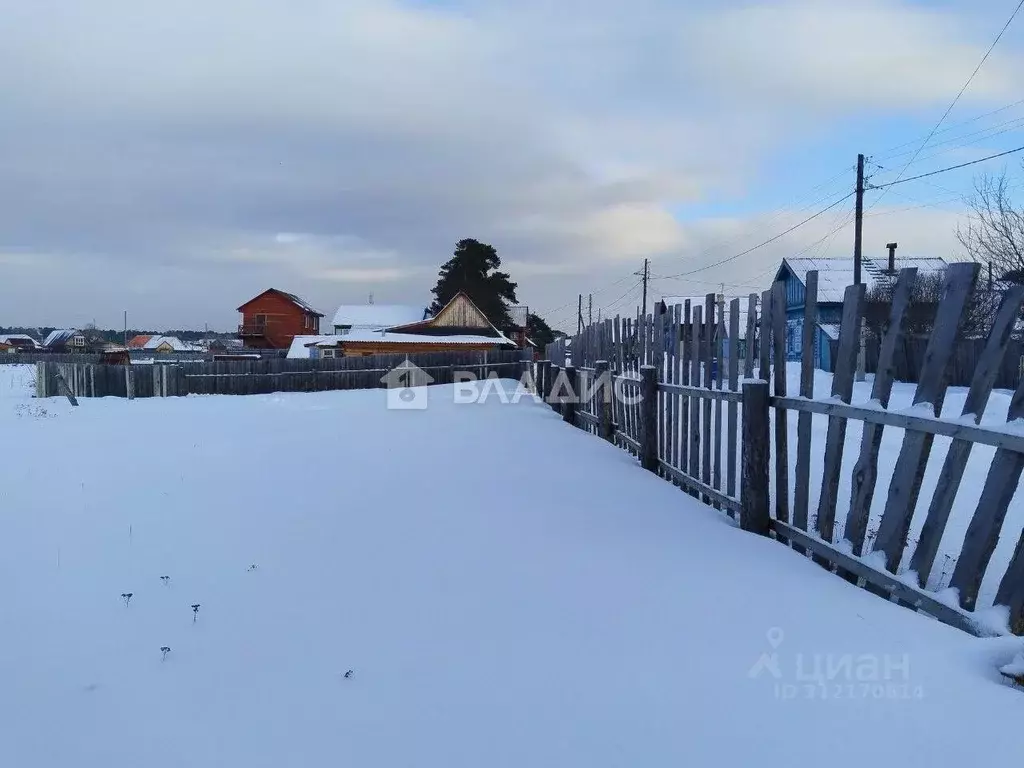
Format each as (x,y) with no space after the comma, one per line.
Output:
(858,220)
(579,315)
(857,242)
(645,273)
(590,309)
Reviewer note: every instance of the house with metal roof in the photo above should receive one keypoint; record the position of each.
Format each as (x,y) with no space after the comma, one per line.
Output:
(373,317)
(834,275)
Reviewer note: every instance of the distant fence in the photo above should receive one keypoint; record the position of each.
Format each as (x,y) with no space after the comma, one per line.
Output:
(674,425)
(30,358)
(908,360)
(248,377)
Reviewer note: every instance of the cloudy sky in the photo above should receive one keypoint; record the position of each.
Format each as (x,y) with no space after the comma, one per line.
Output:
(174,159)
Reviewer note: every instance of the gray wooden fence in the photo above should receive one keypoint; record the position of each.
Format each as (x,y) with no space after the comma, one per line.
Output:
(247,377)
(683,379)
(30,358)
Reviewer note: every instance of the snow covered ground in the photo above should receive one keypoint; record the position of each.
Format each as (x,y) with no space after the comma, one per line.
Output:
(506,590)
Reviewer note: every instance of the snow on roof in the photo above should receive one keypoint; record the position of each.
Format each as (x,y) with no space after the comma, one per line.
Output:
(12,337)
(59,336)
(831,330)
(519,314)
(404,338)
(835,274)
(378,315)
(301,302)
(155,342)
(299,350)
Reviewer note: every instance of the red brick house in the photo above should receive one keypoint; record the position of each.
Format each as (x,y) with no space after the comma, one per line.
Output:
(272,319)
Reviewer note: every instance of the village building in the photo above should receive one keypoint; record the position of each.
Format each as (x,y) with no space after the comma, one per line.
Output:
(460,325)
(272,319)
(374,317)
(834,275)
(20,342)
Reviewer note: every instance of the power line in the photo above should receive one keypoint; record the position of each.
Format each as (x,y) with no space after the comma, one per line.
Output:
(955,99)
(885,152)
(768,241)
(944,170)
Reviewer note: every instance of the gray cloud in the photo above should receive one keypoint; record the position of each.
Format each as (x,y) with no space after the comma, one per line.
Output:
(174,161)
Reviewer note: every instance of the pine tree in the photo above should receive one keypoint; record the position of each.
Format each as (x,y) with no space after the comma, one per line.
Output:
(540,332)
(473,269)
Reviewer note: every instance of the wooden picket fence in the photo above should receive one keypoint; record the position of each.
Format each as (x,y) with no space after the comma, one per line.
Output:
(249,377)
(689,410)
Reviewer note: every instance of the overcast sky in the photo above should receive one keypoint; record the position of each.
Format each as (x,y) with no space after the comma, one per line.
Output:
(175,159)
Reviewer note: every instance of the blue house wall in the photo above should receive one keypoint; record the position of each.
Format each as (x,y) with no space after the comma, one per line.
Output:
(828,313)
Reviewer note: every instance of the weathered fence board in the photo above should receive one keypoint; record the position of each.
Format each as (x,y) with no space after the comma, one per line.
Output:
(732,423)
(905,485)
(781,422)
(842,389)
(801,491)
(865,471)
(955,463)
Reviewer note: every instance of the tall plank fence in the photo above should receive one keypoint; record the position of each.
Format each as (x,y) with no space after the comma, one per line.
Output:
(248,377)
(667,389)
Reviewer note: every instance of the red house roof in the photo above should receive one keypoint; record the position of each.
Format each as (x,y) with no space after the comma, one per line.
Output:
(301,304)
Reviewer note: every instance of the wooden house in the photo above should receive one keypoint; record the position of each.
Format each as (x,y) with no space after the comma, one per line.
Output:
(21,342)
(460,325)
(834,275)
(73,340)
(272,319)
(374,317)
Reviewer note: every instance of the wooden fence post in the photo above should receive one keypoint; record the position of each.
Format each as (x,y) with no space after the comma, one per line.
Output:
(602,375)
(754,514)
(64,389)
(552,378)
(649,417)
(569,400)
(543,372)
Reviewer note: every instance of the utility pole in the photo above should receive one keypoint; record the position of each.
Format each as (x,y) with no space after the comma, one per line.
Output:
(126,316)
(858,220)
(579,315)
(646,274)
(590,309)
(857,243)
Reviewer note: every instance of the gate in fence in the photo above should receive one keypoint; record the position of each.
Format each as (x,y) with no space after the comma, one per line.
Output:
(661,387)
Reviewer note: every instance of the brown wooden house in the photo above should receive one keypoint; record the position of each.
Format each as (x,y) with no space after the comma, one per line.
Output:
(272,319)
(459,326)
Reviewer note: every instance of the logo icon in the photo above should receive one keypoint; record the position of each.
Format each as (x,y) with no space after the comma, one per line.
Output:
(407,387)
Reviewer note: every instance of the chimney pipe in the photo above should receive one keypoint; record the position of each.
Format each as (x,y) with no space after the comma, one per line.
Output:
(892,257)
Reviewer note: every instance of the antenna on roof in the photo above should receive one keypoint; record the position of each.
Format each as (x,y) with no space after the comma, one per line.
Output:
(371,298)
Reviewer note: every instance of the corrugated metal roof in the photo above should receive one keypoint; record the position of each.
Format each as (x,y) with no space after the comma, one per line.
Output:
(376,316)
(834,275)
(59,336)
(519,315)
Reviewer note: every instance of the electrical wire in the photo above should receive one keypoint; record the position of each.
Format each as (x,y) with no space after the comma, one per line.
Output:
(945,170)
(770,240)
(953,103)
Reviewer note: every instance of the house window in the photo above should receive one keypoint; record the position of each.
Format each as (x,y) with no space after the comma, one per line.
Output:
(78,341)
(326,353)
(261,321)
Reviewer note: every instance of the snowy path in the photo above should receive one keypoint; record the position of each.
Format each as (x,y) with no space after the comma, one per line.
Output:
(508,592)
